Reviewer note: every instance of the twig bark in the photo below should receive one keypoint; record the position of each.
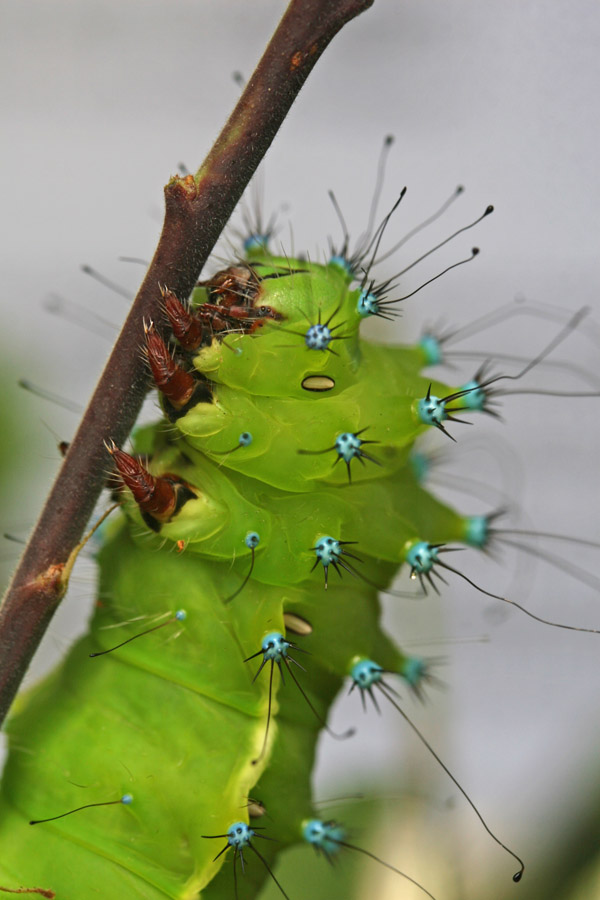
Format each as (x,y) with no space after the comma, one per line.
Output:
(196,210)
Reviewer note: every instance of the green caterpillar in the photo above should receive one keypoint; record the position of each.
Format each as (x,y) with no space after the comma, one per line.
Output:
(279,458)
(272,387)
(42,802)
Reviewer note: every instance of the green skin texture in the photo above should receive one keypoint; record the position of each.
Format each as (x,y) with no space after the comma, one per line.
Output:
(174,718)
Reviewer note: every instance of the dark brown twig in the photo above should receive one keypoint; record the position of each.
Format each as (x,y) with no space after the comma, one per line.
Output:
(196,210)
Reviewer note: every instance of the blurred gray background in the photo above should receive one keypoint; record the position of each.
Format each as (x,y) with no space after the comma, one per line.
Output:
(101,101)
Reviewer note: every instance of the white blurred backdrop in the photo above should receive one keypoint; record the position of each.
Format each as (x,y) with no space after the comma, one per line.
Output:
(102,99)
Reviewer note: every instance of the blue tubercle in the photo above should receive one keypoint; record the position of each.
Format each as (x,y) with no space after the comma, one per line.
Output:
(318,337)
(256,242)
(245,439)
(477,531)
(181,615)
(420,465)
(421,557)
(476,396)
(127,799)
(431,348)
(239,835)
(341,263)
(252,540)
(365,673)
(367,304)
(431,410)
(348,446)
(324,836)
(274,647)
(328,550)
(414,670)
